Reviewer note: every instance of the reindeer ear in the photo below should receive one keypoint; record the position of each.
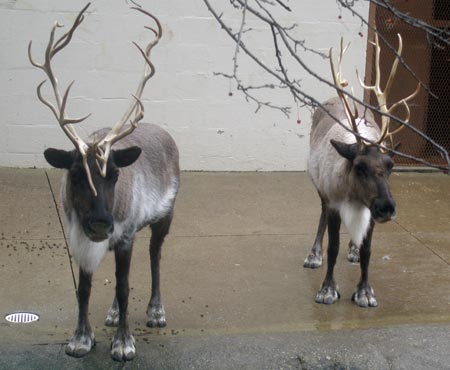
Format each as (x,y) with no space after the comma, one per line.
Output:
(126,157)
(59,158)
(348,151)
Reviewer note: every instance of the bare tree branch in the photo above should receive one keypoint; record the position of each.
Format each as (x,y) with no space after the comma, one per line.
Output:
(284,40)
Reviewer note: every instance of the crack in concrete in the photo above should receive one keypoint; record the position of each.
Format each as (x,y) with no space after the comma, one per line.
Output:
(423,243)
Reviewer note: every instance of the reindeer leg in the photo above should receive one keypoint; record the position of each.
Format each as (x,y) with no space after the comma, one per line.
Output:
(82,340)
(353,252)
(329,292)
(122,345)
(364,295)
(155,310)
(314,259)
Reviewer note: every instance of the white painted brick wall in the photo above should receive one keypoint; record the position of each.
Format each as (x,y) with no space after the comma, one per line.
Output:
(213,131)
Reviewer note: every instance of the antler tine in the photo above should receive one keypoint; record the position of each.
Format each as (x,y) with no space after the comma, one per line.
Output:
(340,84)
(404,103)
(103,151)
(149,68)
(383,95)
(59,111)
(117,132)
(376,87)
(393,72)
(67,37)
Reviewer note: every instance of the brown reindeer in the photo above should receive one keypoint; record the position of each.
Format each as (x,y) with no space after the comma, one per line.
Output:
(351,176)
(108,194)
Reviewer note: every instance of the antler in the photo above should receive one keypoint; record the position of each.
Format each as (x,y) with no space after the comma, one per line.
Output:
(59,111)
(383,95)
(103,146)
(341,83)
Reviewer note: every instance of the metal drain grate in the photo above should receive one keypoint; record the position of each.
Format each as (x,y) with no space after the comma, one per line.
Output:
(22,317)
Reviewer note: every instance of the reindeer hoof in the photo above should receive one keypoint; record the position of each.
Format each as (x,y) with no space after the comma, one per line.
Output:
(122,347)
(112,317)
(80,344)
(327,295)
(156,316)
(365,297)
(312,261)
(353,253)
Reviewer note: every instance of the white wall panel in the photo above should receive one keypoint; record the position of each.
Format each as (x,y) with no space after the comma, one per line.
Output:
(213,130)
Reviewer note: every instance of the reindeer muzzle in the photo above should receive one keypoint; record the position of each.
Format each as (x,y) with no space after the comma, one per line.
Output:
(99,230)
(383,210)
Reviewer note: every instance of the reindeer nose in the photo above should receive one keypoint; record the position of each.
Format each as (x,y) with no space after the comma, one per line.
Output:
(101,226)
(383,210)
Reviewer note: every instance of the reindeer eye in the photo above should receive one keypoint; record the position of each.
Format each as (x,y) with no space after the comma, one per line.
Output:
(361,169)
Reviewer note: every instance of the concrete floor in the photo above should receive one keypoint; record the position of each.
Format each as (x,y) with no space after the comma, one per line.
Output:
(235,292)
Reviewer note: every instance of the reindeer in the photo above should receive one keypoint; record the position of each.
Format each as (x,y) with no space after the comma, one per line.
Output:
(350,169)
(109,194)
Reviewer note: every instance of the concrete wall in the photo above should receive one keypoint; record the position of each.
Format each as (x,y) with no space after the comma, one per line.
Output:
(213,130)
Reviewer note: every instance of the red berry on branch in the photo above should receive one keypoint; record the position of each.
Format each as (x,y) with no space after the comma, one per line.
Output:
(299,121)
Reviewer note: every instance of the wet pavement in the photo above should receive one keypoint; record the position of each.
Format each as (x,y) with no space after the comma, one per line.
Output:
(235,293)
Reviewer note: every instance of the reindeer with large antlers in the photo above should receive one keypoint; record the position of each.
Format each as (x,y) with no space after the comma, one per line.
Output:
(109,193)
(350,169)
